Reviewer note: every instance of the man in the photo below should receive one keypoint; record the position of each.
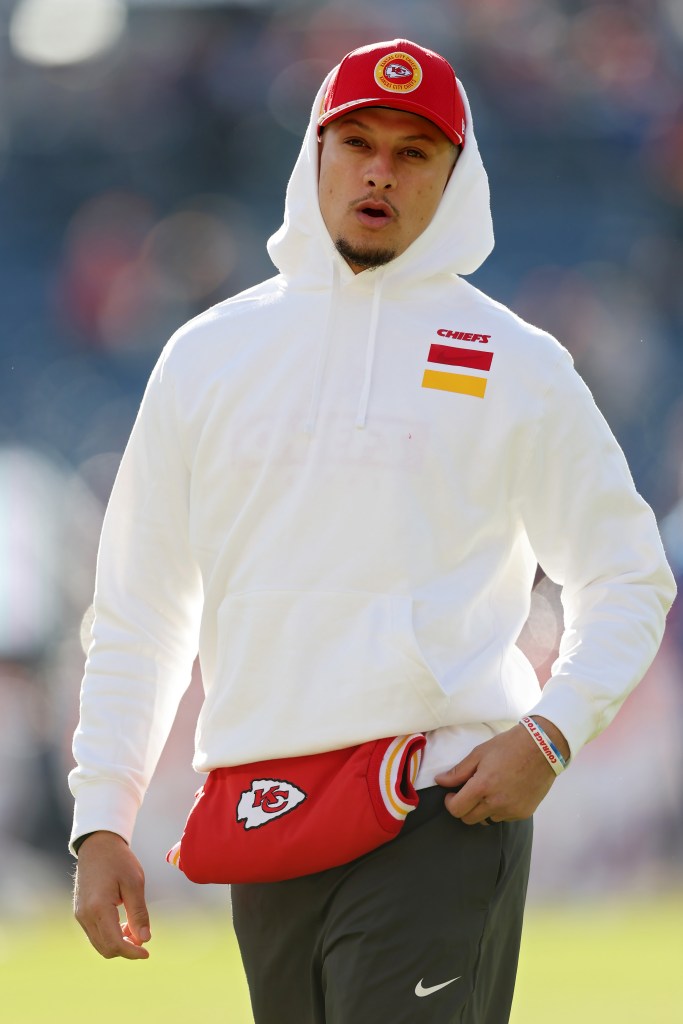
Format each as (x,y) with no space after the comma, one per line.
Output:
(338,487)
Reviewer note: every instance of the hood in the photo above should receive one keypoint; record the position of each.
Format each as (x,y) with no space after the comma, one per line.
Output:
(457,241)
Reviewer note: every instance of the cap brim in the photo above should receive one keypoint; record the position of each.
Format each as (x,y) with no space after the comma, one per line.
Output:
(393,103)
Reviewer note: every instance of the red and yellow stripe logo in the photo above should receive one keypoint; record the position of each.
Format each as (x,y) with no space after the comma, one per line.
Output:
(461,383)
(398,772)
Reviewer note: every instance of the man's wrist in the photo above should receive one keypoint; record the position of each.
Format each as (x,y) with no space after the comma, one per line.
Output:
(553,755)
(555,734)
(77,843)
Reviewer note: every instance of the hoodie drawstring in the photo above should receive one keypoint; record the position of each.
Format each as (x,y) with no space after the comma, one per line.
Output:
(361,416)
(370,353)
(312,414)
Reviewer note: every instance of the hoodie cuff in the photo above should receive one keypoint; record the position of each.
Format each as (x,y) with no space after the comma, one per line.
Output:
(103,806)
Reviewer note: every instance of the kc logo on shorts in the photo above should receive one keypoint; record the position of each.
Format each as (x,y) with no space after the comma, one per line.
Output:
(266,800)
(398,72)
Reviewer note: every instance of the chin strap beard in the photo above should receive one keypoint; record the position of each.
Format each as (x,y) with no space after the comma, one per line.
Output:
(368,259)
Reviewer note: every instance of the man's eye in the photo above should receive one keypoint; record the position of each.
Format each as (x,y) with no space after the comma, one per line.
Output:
(414,152)
(355,142)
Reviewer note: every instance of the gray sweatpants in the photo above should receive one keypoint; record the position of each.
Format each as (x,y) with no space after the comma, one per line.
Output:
(423,930)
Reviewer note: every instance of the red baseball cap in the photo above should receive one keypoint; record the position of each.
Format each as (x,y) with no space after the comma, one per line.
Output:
(401,75)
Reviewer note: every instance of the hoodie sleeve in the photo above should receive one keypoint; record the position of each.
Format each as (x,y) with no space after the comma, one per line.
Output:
(597,538)
(147,605)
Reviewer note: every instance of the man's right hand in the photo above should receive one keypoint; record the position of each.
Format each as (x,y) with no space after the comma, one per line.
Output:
(110,875)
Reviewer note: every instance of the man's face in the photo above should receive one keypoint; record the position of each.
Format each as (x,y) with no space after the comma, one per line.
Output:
(382,175)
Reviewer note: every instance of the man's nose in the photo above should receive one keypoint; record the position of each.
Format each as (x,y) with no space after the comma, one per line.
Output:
(380,174)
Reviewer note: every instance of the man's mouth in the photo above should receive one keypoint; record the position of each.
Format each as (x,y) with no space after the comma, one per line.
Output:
(374,214)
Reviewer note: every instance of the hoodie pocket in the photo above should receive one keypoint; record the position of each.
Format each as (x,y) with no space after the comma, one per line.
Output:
(348,662)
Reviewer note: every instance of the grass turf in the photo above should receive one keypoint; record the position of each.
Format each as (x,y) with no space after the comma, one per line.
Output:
(613,963)
(609,962)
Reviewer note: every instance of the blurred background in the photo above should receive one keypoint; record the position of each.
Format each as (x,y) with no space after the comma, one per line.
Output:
(144,151)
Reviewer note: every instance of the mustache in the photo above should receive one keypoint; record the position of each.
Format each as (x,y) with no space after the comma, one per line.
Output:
(371,197)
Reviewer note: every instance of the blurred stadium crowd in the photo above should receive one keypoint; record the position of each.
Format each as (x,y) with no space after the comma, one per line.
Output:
(144,151)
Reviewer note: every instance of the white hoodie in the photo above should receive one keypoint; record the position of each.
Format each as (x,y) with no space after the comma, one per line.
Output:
(337,489)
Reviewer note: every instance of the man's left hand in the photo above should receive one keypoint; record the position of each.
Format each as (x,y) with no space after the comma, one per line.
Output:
(503,779)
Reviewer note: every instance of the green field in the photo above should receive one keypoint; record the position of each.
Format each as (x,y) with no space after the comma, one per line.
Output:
(606,963)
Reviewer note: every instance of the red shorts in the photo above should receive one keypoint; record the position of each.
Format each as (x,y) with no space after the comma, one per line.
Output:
(294,816)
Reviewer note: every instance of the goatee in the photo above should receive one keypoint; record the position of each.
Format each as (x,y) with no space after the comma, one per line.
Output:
(367,259)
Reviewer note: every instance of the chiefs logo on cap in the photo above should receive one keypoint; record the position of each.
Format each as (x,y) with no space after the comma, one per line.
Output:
(398,72)
(266,800)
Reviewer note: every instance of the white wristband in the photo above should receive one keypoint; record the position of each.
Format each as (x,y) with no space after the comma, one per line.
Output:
(544,744)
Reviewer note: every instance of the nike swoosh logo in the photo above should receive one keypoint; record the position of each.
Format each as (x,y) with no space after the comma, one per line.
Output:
(420,990)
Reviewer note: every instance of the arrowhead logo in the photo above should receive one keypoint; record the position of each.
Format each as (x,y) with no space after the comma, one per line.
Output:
(266,800)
